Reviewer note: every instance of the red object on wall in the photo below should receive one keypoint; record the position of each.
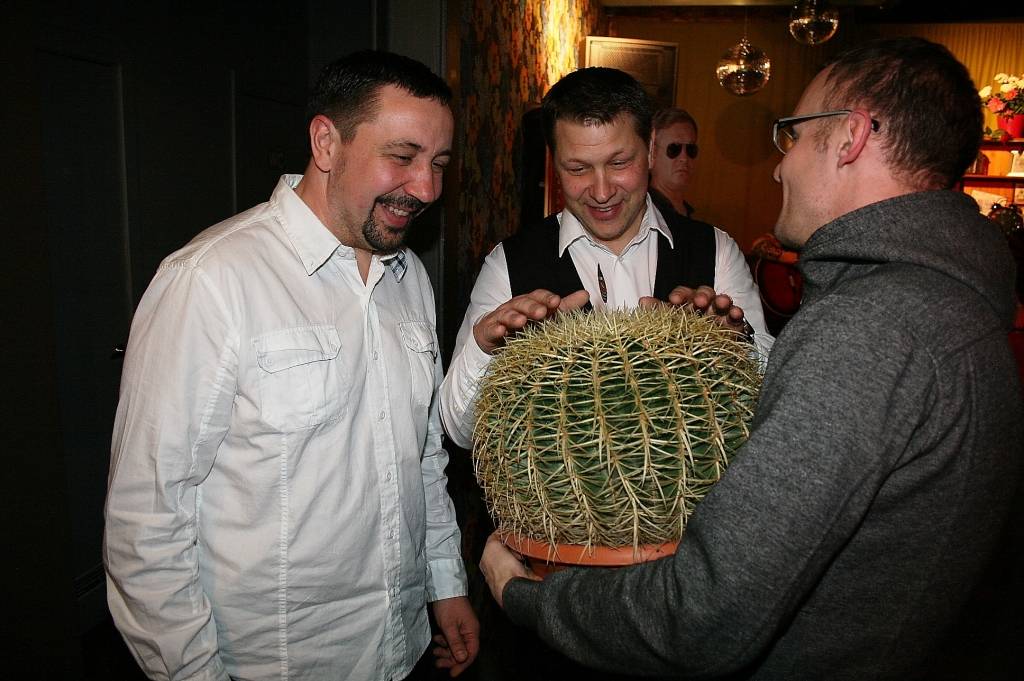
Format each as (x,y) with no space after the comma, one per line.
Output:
(781,286)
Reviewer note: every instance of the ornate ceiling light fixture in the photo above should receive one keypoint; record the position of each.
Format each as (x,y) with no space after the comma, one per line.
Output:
(744,69)
(812,22)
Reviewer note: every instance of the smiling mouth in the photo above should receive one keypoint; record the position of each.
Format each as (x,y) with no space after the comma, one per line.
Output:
(609,211)
(401,206)
(395,210)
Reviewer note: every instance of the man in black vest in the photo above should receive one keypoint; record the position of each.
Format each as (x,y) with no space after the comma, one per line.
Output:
(610,248)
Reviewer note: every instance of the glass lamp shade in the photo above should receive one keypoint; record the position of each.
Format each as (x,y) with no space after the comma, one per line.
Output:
(744,69)
(812,22)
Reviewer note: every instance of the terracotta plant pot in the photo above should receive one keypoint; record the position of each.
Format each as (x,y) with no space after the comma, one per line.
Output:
(545,558)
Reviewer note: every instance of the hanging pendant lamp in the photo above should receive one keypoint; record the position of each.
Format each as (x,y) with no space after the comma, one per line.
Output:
(744,69)
(812,22)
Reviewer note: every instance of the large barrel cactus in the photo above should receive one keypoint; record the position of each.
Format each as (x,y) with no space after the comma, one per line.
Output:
(606,429)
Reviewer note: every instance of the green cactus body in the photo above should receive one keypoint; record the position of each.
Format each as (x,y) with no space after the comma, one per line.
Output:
(607,428)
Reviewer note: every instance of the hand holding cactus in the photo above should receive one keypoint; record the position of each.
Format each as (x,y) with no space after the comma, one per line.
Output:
(704,300)
(491,330)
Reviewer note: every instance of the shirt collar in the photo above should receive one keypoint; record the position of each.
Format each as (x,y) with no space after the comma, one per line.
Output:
(571,229)
(312,241)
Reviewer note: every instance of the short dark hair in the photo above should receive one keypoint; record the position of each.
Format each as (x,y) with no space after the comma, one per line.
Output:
(924,99)
(669,116)
(596,95)
(348,89)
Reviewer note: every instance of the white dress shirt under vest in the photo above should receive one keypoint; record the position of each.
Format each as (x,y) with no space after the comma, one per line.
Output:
(628,277)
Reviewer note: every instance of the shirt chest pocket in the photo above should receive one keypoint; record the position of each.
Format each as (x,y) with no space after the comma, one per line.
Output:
(421,351)
(301,377)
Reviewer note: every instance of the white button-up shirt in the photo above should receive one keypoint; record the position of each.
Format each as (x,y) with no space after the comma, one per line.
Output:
(629,276)
(277,505)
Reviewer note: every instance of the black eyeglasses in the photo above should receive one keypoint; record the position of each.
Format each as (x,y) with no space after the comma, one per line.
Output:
(673,150)
(785,136)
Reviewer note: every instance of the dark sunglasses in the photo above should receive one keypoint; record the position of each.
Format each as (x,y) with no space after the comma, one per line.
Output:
(675,148)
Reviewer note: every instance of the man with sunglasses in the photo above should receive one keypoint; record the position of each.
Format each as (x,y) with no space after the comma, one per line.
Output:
(610,247)
(846,536)
(673,159)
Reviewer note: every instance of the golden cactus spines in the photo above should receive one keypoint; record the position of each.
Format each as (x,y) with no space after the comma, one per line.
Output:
(607,428)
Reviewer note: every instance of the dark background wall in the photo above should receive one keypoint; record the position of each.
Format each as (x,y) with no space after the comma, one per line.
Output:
(126,128)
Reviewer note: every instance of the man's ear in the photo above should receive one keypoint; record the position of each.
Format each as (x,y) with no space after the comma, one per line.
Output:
(323,138)
(855,130)
(650,149)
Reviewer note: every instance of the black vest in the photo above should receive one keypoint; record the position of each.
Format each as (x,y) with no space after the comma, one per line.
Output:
(533,262)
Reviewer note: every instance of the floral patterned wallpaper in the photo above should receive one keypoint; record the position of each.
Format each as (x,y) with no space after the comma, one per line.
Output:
(510,53)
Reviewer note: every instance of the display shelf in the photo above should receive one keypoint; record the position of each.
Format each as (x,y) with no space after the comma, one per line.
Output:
(1008,185)
(993,179)
(992,145)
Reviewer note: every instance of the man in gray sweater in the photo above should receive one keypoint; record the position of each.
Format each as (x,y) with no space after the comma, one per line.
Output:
(886,451)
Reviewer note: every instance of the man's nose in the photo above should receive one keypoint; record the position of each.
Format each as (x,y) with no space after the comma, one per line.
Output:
(424,184)
(601,188)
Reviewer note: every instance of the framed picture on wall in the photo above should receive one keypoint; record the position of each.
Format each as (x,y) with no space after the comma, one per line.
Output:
(650,62)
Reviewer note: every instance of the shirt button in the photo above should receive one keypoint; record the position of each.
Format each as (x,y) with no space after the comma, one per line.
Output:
(382,415)
(387,476)
(374,355)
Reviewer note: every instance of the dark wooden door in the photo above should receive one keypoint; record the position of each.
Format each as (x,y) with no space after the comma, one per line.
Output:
(84,182)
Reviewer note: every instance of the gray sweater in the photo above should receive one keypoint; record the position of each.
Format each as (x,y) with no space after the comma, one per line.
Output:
(849,530)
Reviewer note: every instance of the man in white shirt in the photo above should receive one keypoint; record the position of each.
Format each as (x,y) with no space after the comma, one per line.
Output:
(277,504)
(610,248)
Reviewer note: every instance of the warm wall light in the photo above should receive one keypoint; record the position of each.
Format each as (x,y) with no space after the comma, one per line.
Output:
(812,22)
(561,39)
